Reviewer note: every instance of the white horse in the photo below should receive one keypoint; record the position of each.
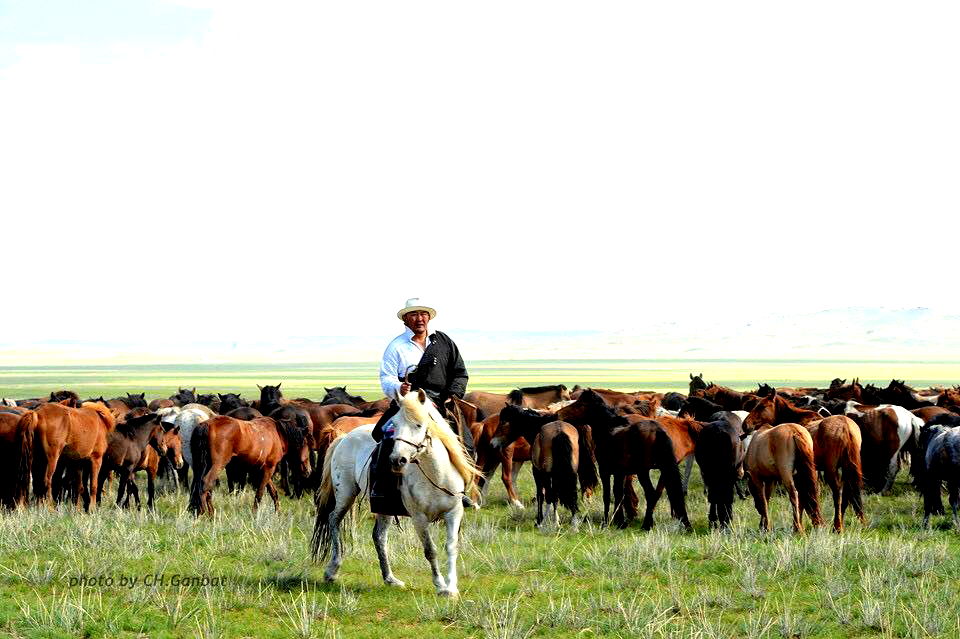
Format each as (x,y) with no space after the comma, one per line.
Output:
(436,473)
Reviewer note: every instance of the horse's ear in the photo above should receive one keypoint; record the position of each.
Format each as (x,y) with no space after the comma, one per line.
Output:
(279,385)
(421,396)
(259,386)
(220,396)
(691,375)
(176,430)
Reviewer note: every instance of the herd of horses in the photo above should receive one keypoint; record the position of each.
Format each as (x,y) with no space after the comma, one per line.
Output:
(849,436)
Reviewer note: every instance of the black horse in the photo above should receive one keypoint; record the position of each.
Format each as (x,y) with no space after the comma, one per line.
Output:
(184,396)
(719,454)
(339,395)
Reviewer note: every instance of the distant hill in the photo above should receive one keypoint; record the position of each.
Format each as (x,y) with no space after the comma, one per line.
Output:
(859,332)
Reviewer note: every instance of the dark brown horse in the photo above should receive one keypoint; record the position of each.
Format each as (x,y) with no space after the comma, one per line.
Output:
(125,448)
(629,445)
(728,398)
(55,431)
(258,444)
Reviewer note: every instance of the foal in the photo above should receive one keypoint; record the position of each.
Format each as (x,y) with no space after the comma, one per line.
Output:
(125,448)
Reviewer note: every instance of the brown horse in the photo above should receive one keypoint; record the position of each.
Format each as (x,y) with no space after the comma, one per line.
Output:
(150,462)
(55,431)
(258,444)
(836,451)
(510,458)
(561,455)
(845,392)
(784,453)
(487,403)
(538,397)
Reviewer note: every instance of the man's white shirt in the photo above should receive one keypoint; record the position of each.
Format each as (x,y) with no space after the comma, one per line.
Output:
(401,353)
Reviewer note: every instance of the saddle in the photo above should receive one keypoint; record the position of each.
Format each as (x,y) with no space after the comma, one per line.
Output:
(385,484)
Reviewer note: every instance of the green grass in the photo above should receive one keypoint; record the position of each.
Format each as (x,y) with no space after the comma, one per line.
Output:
(890,578)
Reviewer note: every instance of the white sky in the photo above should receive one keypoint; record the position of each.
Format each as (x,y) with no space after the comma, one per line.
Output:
(301,168)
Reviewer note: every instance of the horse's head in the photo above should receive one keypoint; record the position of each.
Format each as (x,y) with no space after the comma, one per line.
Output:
(136,401)
(508,427)
(339,395)
(412,427)
(587,405)
(765,412)
(696,383)
(270,396)
(184,396)
(229,402)
(174,444)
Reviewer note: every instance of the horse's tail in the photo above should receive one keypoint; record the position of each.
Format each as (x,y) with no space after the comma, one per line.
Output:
(26,434)
(200,451)
(563,477)
(805,478)
(663,453)
(587,464)
(326,501)
(852,475)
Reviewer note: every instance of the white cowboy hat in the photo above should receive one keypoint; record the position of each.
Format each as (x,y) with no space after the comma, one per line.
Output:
(413,304)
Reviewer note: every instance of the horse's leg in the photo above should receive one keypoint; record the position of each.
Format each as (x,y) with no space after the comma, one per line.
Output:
(687,472)
(833,480)
(953,488)
(619,520)
(104,470)
(452,518)
(96,461)
(421,525)
(605,483)
(46,486)
(758,489)
(537,481)
(650,494)
(132,487)
(787,478)
(508,473)
(261,486)
(151,488)
(121,488)
(274,495)
(892,471)
(343,502)
(380,529)
(206,488)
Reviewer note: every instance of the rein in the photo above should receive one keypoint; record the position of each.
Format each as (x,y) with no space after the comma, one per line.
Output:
(426,442)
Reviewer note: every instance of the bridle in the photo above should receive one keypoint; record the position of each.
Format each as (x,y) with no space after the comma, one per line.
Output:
(418,449)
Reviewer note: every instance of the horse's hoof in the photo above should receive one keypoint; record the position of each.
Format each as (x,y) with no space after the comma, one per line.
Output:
(452,593)
(393,581)
(516,503)
(329,578)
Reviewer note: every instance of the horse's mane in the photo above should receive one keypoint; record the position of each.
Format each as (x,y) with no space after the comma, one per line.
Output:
(533,390)
(515,397)
(291,431)
(105,414)
(437,427)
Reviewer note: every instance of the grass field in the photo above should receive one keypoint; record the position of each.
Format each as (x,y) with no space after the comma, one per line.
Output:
(889,578)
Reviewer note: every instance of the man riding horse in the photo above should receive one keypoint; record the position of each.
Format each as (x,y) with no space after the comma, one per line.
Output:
(418,358)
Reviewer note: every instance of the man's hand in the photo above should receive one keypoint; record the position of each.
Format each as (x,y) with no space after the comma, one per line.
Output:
(404,388)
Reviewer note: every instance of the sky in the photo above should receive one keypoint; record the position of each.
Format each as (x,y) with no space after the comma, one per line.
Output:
(206,172)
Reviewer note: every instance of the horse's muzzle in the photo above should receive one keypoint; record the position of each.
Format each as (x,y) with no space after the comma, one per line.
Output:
(398,463)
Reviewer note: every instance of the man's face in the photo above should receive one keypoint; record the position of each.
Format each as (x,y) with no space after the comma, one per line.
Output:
(417,321)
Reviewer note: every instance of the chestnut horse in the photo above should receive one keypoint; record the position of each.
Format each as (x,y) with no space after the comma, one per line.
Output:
(259,444)
(784,453)
(54,431)
(510,458)
(836,449)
